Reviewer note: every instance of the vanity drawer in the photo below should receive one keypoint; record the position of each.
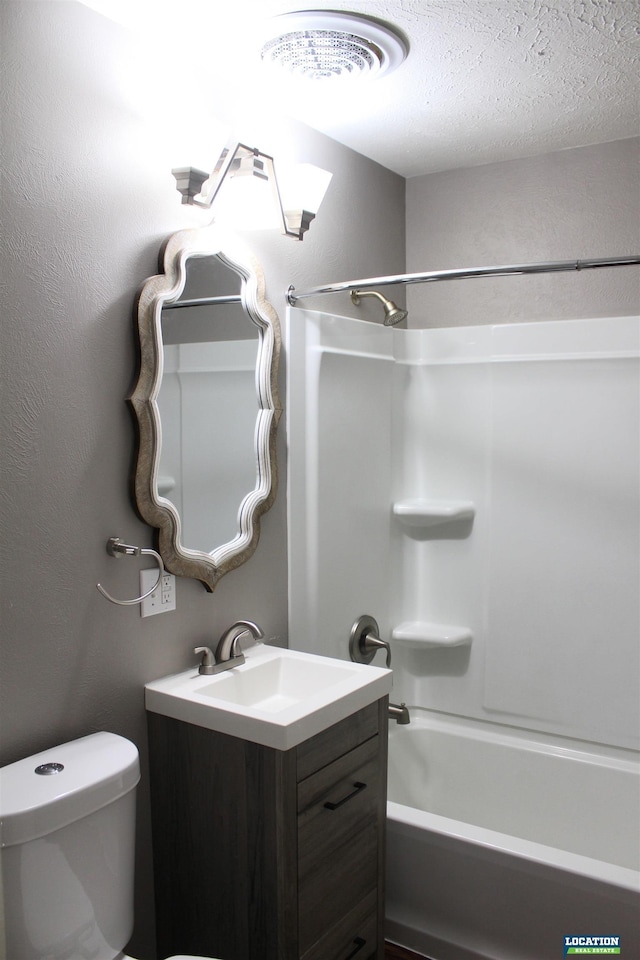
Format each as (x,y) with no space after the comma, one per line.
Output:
(337,740)
(355,936)
(338,837)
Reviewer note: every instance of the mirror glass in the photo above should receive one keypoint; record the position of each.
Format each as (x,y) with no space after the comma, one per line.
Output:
(206,404)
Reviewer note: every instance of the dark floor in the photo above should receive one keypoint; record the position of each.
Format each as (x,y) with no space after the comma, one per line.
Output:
(393,952)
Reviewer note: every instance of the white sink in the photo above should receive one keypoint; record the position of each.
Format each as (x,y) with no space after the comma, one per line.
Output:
(277,697)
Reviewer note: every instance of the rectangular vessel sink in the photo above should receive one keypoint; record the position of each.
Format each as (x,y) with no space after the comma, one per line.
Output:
(277,698)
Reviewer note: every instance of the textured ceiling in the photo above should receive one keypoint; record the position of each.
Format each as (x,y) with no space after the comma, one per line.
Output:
(485,80)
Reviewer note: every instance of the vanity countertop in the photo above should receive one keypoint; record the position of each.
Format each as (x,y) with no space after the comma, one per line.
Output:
(277,698)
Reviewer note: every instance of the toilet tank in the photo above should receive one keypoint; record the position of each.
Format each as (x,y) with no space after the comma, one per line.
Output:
(67,838)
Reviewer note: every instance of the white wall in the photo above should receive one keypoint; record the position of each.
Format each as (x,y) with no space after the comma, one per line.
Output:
(93,121)
(559,206)
(340,418)
(537,425)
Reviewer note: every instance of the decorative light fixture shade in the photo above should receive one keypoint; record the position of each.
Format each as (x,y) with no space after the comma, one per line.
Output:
(304,190)
(324,44)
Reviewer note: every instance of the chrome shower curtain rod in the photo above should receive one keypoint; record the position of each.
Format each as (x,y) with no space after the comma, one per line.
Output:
(551,266)
(202,302)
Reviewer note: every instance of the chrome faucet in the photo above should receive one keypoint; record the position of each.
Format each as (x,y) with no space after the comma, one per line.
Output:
(228,653)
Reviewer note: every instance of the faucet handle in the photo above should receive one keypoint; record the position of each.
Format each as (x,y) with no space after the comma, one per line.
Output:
(371,643)
(207,663)
(364,641)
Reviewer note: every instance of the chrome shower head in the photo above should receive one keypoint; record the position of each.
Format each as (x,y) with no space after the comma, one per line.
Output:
(392,313)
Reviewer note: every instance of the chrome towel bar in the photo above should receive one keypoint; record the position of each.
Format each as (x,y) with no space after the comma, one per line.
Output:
(116,548)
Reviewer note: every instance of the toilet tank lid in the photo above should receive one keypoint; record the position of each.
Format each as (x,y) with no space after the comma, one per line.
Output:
(84,775)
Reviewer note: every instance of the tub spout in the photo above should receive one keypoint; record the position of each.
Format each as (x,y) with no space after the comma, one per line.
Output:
(399,713)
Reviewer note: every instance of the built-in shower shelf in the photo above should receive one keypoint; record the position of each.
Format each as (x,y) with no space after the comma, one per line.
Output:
(423,635)
(165,485)
(432,513)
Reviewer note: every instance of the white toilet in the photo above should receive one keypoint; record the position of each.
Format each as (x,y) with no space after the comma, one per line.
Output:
(67,832)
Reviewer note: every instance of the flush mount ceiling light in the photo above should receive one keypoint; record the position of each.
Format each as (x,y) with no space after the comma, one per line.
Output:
(323,44)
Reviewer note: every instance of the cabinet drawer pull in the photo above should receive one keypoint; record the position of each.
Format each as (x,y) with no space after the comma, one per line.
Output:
(359,943)
(334,806)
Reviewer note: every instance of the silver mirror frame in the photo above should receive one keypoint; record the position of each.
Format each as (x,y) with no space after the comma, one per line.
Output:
(154,509)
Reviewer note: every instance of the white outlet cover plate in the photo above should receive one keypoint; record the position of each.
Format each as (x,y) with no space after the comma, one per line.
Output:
(163,598)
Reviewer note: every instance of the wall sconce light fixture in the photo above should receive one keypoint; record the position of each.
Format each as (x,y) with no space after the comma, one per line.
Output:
(297,200)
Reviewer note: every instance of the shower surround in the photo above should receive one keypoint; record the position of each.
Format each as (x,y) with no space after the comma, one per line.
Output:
(476,490)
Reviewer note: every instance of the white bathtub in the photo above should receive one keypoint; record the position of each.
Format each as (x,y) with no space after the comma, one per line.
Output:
(502,843)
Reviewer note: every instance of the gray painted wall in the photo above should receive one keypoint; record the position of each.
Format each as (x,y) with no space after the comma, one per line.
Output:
(559,206)
(87,199)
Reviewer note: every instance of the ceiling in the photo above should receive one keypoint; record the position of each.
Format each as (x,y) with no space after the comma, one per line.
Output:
(485,80)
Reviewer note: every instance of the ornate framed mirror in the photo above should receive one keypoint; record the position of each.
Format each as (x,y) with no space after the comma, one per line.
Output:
(206,403)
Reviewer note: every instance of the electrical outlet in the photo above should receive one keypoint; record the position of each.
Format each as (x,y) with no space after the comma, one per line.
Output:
(163,597)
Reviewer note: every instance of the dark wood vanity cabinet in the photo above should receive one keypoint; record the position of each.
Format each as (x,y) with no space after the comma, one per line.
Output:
(262,854)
